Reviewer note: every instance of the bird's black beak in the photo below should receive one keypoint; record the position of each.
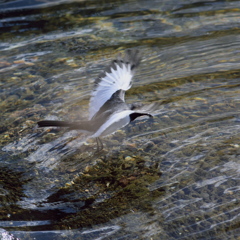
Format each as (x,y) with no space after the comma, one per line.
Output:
(135,115)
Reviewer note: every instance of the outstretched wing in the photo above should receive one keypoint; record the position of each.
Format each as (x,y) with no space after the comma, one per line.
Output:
(118,75)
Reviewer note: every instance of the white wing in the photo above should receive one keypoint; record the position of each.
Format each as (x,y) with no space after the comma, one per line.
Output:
(117,76)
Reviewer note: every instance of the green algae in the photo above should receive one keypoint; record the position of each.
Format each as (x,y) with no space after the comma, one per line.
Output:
(113,187)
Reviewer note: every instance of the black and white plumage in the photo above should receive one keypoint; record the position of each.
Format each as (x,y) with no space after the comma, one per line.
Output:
(108,111)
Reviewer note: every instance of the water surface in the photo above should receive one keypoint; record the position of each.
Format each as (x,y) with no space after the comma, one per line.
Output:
(175,176)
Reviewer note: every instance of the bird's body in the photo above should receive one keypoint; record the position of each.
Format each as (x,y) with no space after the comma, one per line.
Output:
(108,111)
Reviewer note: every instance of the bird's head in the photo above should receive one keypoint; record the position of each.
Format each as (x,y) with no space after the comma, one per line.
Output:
(135,115)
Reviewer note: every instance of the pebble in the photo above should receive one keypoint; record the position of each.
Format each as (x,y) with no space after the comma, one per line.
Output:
(128,158)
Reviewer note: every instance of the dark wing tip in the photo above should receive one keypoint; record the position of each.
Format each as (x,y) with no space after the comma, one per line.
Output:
(132,57)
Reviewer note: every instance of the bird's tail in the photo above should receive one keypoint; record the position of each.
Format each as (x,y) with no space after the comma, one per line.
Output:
(70,125)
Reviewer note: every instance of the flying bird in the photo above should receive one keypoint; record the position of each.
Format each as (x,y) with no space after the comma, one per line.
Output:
(108,110)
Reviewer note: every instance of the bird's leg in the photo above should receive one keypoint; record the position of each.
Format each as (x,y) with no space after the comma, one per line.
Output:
(99,145)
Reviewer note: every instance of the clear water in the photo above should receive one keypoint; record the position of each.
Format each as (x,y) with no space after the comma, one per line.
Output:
(176,176)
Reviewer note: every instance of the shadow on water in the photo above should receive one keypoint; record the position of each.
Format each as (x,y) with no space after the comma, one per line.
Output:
(173,177)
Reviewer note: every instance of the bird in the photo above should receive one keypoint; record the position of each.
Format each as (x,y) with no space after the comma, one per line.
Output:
(108,111)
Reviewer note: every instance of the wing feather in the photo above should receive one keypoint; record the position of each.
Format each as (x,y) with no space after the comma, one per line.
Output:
(118,75)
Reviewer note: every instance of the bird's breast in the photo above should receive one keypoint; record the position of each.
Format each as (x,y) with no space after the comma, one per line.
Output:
(113,123)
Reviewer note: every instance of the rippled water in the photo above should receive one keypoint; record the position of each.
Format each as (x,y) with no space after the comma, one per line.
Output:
(175,176)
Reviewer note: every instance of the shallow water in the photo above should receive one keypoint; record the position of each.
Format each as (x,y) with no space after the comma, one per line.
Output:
(175,176)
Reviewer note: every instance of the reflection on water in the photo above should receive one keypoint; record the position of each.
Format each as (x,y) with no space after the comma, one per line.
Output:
(173,177)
